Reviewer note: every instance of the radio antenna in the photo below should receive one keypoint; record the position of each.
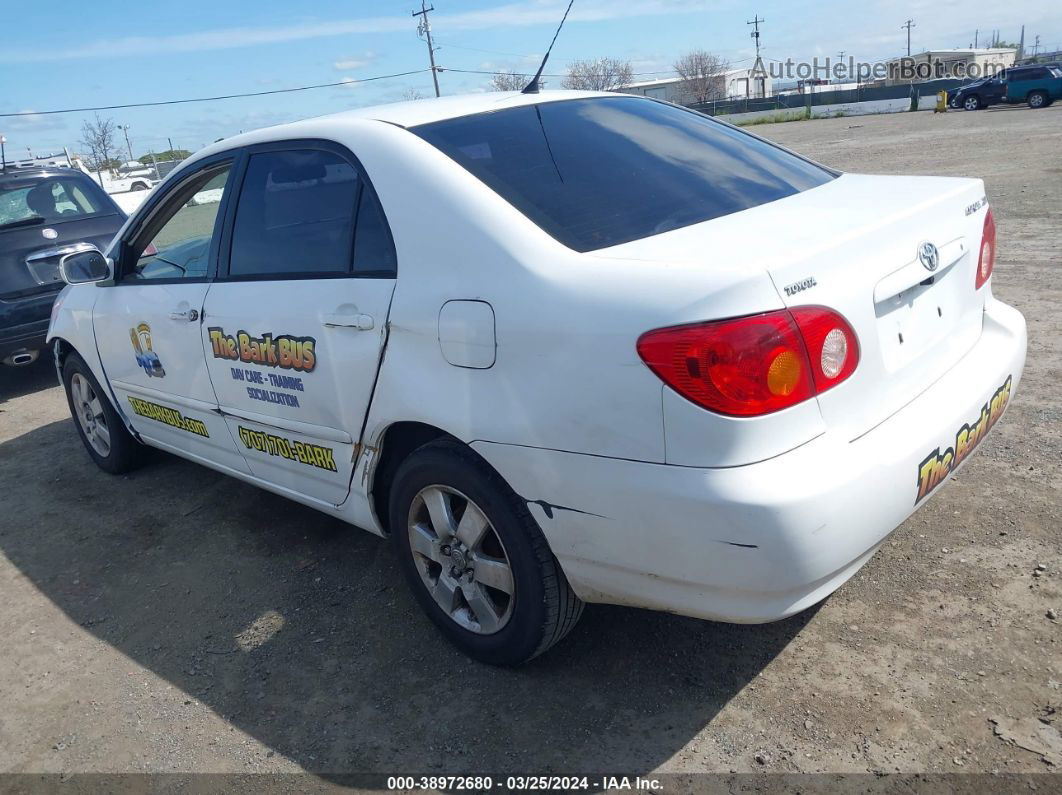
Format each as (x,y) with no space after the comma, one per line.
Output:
(532,87)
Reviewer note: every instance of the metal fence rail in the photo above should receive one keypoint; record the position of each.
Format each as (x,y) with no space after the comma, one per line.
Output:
(795,101)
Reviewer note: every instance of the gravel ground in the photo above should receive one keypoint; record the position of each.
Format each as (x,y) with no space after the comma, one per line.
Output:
(178,620)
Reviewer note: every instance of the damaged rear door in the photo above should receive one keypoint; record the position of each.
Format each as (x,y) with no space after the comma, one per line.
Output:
(295,325)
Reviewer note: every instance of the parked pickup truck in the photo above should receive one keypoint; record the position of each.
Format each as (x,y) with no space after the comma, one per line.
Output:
(1038,86)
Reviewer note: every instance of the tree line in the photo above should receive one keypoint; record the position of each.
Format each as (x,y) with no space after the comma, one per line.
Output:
(701,76)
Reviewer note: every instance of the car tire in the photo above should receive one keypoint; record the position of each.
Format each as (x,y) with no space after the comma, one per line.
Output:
(464,539)
(972,102)
(1037,100)
(102,431)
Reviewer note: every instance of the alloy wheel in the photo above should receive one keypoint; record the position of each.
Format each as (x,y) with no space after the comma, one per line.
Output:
(88,409)
(461,559)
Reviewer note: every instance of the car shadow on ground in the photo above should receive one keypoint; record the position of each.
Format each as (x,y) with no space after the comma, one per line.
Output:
(299,631)
(18,381)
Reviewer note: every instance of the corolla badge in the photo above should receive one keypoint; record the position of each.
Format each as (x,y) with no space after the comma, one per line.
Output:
(928,256)
(145,356)
(49,234)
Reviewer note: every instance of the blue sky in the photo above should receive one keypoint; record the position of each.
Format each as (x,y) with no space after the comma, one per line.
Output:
(106,52)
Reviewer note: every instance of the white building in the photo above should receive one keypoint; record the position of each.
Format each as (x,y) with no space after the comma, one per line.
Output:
(958,62)
(737,83)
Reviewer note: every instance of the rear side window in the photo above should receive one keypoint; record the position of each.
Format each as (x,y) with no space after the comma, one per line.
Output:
(297,215)
(599,172)
(374,253)
(1027,74)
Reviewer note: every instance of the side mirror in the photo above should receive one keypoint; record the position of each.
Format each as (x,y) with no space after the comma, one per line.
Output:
(84,267)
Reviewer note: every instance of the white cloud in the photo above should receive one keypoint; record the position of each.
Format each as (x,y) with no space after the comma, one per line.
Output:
(32,121)
(506,16)
(354,62)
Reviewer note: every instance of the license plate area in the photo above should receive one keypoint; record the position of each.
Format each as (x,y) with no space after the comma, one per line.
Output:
(919,319)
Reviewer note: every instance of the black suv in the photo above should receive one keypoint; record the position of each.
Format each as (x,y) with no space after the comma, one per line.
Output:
(978,94)
(45,212)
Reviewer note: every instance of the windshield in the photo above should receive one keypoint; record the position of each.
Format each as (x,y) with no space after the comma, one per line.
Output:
(49,200)
(603,171)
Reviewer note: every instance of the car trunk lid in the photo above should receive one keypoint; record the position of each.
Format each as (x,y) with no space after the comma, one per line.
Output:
(852,245)
(29,255)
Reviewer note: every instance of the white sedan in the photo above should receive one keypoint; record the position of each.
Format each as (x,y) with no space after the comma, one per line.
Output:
(560,347)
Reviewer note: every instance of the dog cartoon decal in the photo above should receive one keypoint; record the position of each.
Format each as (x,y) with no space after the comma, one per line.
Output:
(145,356)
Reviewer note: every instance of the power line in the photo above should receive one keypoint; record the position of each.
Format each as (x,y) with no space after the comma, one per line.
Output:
(212,99)
(303,88)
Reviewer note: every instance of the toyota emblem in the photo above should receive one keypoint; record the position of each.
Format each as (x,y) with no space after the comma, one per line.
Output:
(928,256)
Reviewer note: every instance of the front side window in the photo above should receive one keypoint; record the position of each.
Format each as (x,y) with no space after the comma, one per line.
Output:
(176,243)
(599,172)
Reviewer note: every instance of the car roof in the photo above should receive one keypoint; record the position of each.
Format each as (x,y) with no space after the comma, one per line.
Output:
(401,114)
(19,173)
(425,111)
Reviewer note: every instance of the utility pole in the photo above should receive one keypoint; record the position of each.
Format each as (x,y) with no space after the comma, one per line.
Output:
(975,38)
(3,154)
(1036,46)
(170,142)
(125,129)
(909,24)
(757,68)
(424,29)
(755,22)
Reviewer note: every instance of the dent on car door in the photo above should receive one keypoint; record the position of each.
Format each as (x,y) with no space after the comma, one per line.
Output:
(296,321)
(147,324)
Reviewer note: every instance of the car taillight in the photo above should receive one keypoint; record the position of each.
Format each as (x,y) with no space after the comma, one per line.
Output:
(986,260)
(754,365)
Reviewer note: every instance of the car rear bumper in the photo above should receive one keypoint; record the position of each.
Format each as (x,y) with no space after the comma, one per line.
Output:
(760,542)
(24,323)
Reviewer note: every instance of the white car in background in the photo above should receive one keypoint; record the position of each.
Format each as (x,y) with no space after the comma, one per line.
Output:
(561,347)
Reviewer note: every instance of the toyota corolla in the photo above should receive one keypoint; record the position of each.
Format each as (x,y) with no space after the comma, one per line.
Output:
(560,347)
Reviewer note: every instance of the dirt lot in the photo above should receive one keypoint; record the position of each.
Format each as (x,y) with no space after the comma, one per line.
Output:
(178,620)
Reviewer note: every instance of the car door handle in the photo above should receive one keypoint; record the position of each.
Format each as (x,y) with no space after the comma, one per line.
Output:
(190,315)
(359,322)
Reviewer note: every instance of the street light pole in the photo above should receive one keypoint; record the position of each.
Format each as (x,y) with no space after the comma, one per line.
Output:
(3,155)
(125,129)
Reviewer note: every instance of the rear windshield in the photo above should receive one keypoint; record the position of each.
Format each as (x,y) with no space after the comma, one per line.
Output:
(50,200)
(603,171)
